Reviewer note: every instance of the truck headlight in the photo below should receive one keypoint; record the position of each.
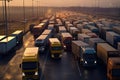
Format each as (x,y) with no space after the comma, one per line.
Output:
(64,46)
(85,62)
(52,56)
(60,55)
(23,74)
(95,62)
(36,73)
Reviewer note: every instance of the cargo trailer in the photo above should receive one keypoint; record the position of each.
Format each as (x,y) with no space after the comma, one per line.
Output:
(105,51)
(66,39)
(84,37)
(113,69)
(7,44)
(112,38)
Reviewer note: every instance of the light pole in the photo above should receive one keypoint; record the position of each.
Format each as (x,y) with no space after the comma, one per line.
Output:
(5,17)
(24,21)
(37,8)
(32,9)
(8,13)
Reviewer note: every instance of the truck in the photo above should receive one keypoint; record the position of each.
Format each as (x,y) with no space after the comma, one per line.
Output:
(83,37)
(116,29)
(55,48)
(30,64)
(62,29)
(105,51)
(37,30)
(7,44)
(2,37)
(41,42)
(48,32)
(85,31)
(92,35)
(66,39)
(94,29)
(31,27)
(113,68)
(112,38)
(103,32)
(85,54)
(94,41)
(19,36)
(74,32)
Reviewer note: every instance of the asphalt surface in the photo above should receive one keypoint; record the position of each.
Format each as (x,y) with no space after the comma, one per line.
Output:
(65,68)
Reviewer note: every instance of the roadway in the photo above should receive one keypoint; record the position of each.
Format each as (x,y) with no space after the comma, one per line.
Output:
(65,68)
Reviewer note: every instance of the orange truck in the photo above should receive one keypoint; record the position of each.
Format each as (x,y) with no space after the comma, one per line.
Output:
(113,68)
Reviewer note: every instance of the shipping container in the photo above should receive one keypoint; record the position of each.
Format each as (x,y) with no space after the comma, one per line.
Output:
(94,41)
(116,29)
(62,29)
(84,37)
(103,32)
(93,29)
(112,38)
(85,31)
(105,51)
(7,44)
(92,35)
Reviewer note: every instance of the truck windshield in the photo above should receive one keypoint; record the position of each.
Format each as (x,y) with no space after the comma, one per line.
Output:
(29,65)
(89,56)
(67,41)
(56,48)
(116,72)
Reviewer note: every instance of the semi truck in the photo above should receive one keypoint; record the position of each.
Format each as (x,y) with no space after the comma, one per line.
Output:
(41,42)
(74,32)
(55,48)
(94,41)
(7,44)
(19,36)
(113,69)
(85,54)
(84,37)
(113,38)
(30,64)
(105,51)
(66,39)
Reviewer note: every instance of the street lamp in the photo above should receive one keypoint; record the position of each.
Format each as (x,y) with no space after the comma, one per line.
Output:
(37,7)
(6,20)
(24,21)
(32,9)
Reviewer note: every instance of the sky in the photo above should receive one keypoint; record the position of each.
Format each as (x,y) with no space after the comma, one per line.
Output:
(66,3)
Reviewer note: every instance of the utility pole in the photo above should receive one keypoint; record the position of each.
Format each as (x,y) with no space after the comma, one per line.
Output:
(24,21)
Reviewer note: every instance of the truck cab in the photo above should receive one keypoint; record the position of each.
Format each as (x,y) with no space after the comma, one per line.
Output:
(88,56)
(30,64)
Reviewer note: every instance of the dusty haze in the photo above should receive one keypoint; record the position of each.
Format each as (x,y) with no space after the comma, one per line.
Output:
(66,3)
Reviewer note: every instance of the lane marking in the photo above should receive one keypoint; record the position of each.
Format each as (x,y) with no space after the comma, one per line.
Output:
(78,69)
(43,67)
